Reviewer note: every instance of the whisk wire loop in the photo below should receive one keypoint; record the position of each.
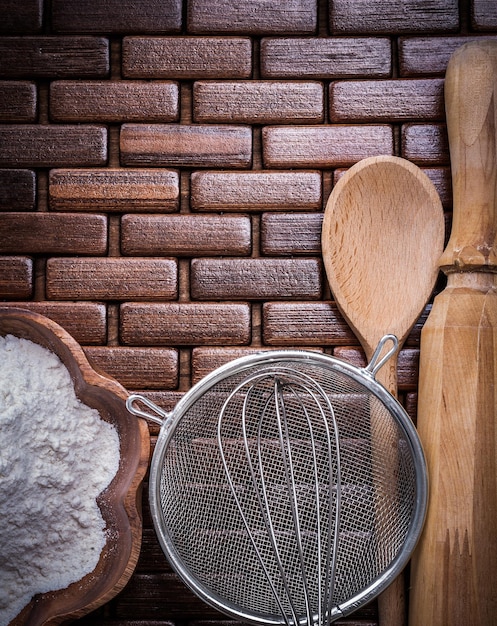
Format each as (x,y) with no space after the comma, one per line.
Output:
(277,386)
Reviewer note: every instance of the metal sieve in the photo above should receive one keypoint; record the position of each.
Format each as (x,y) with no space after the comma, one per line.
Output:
(287,487)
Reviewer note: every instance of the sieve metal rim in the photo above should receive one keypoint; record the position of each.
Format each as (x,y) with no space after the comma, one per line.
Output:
(364,376)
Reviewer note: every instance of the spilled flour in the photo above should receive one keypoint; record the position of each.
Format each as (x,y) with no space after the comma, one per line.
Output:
(56,456)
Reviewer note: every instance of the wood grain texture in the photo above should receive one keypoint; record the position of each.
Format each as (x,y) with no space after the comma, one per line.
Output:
(207,145)
(21,17)
(185,235)
(304,323)
(45,233)
(137,368)
(252,16)
(18,101)
(206,360)
(393,16)
(111,279)
(49,57)
(255,190)
(30,145)
(255,279)
(427,55)
(217,324)
(484,15)
(17,190)
(16,277)
(187,57)
(113,190)
(458,368)
(324,146)
(117,101)
(85,321)
(291,233)
(397,100)
(258,102)
(394,274)
(325,57)
(425,144)
(115,16)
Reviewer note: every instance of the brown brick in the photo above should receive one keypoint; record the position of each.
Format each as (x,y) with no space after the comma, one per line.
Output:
(187,57)
(150,595)
(425,144)
(255,17)
(411,406)
(304,323)
(291,233)
(407,365)
(255,279)
(54,57)
(17,101)
(116,16)
(393,16)
(21,17)
(186,145)
(441,178)
(428,55)
(46,233)
(185,324)
(137,368)
(484,14)
(258,102)
(113,190)
(17,190)
(255,191)
(31,145)
(206,360)
(85,321)
(185,235)
(326,57)
(392,100)
(116,101)
(16,277)
(111,279)
(324,146)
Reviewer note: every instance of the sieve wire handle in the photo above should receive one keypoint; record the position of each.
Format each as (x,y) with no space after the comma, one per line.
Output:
(374,365)
(152,417)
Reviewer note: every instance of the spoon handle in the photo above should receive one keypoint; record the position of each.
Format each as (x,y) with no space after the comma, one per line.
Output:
(453,574)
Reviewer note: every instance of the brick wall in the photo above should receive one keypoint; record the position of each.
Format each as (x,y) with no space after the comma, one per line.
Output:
(164,165)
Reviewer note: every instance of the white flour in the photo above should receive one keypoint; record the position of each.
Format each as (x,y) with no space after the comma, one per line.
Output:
(56,456)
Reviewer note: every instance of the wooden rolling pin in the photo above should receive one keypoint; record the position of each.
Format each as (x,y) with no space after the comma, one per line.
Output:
(454,569)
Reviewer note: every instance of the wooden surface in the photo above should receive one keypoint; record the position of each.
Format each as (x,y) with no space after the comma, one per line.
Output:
(120,503)
(454,578)
(277,194)
(382,236)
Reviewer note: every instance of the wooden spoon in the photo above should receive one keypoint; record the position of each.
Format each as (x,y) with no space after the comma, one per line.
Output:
(382,237)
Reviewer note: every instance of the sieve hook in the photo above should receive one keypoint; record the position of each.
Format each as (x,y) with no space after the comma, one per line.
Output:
(374,365)
(133,408)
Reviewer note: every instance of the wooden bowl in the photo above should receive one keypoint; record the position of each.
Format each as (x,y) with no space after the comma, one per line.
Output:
(120,503)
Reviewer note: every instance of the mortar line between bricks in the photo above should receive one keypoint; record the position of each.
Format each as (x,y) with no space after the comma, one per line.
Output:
(39,280)
(184,280)
(114,236)
(43,102)
(114,159)
(42,191)
(112,324)
(115,58)
(256,324)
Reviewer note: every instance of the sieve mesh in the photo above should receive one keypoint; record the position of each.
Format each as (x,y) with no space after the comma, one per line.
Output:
(285,490)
